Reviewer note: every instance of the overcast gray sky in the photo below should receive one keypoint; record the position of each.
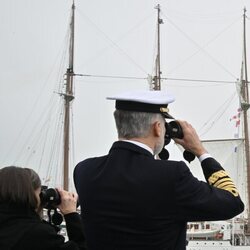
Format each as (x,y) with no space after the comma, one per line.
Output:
(199,40)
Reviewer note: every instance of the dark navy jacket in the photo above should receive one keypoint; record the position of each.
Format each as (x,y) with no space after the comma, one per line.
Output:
(131,201)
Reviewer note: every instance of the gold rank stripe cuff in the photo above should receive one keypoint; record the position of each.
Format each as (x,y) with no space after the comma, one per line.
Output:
(220,179)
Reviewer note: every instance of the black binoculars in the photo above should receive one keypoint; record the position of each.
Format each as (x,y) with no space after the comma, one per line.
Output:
(50,197)
(174,130)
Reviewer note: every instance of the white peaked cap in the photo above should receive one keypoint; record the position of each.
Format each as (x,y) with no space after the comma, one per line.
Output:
(151,101)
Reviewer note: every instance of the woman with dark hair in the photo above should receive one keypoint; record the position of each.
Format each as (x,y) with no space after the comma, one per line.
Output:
(21,227)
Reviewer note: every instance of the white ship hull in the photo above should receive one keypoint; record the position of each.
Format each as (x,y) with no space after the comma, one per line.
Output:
(214,245)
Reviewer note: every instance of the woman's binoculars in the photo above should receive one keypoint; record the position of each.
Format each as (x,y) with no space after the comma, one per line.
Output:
(50,197)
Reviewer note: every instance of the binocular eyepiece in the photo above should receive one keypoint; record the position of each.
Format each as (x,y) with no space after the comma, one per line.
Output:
(50,197)
(174,130)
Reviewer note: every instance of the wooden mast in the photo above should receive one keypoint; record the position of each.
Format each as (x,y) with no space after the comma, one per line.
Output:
(68,97)
(245,106)
(157,77)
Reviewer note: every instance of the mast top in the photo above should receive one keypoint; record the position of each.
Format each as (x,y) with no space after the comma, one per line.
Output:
(158,6)
(156,80)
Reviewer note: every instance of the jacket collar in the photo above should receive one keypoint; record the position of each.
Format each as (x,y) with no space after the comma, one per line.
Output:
(130,146)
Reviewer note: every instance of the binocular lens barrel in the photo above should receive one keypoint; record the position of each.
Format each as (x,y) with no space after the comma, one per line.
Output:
(50,197)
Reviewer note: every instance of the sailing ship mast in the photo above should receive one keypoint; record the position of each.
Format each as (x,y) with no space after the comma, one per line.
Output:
(156,81)
(68,97)
(244,102)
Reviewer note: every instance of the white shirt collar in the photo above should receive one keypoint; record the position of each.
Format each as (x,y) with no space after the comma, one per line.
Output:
(142,145)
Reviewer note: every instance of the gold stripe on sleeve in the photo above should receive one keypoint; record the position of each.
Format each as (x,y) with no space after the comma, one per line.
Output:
(217,175)
(220,179)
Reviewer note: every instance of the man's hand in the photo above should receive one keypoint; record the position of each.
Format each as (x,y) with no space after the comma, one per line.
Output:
(190,141)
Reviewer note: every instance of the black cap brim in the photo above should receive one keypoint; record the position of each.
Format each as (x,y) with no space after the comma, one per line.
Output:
(143,107)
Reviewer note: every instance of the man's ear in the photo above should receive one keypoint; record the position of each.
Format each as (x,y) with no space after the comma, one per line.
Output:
(157,129)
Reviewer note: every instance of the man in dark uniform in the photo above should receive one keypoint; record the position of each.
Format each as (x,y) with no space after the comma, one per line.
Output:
(131,200)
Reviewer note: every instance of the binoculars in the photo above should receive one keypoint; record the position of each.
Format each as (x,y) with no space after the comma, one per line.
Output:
(174,130)
(50,197)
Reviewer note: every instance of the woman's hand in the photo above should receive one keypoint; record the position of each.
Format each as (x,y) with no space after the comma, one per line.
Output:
(68,201)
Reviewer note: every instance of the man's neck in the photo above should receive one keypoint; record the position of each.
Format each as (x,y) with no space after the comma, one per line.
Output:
(139,142)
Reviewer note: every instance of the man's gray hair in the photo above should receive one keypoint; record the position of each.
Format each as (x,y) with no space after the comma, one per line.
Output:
(134,124)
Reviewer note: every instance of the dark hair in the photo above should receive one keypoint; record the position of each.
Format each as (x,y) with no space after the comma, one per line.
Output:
(17,186)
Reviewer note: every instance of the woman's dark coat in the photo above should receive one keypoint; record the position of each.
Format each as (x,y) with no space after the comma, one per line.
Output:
(22,229)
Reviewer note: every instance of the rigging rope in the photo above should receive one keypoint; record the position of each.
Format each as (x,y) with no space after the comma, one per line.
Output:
(114,44)
(44,86)
(200,48)
(145,78)
(204,46)
(217,115)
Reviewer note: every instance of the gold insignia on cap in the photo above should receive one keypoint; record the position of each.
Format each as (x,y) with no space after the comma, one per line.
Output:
(164,110)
